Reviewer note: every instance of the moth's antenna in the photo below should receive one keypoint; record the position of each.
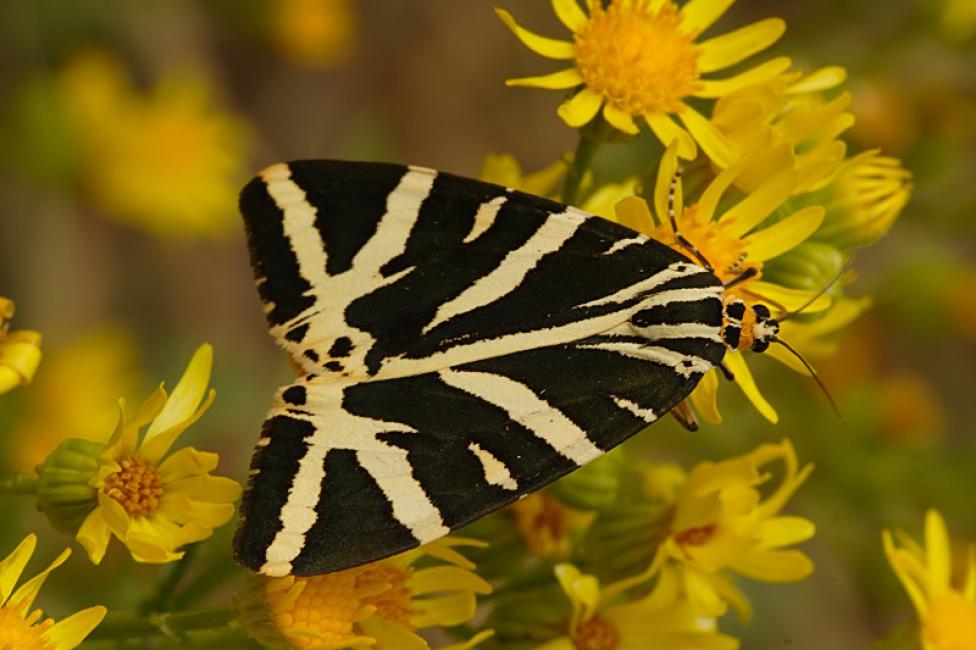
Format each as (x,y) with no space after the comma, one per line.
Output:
(817,295)
(750,272)
(816,377)
(672,217)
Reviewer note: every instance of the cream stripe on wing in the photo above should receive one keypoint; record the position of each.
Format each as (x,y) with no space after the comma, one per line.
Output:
(484,218)
(528,409)
(680,331)
(298,223)
(393,230)
(683,364)
(390,468)
(494,470)
(646,414)
(508,275)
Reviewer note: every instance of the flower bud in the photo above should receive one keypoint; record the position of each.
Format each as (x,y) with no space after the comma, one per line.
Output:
(64,492)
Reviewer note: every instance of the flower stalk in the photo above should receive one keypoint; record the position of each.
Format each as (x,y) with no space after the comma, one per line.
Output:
(118,626)
(19,483)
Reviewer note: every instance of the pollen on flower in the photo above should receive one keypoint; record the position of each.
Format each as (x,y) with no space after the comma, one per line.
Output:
(595,634)
(321,614)
(392,602)
(725,252)
(136,486)
(951,622)
(18,631)
(695,536)
(637,57)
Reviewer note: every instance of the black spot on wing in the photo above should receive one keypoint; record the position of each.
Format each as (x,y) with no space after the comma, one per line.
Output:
(341,347)
(272,258)
(354,520)
(297,334)
(350,200)
(267,491)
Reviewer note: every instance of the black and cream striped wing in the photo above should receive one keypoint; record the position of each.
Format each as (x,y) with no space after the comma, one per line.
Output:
(465,345)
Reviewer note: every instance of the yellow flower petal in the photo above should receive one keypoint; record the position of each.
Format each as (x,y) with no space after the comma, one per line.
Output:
(898,558)
(569,14)
(668,131)
(712,141)
(27,592)
(744,380)
(115,516)
(449,609)
(662,186)
(205,514)
(580,108)
(568,78)
(938,553)
(632,212)
(603,202)
(183,402)
(444,578)
(752,210)
(547,47)
(71,631)
(700,14)
(216,489)
(786,298)
(20,355)
(154,449)
(774,566)
(712,88)
(784,531)
(823,79)
(390,634)
(94,535)
(13,565)
(619,119)
(731,48)
(187,462)
(784,235)
(705,398)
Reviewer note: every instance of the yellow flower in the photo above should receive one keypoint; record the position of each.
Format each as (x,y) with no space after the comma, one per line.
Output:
(380,604)
(731,238)
(23,629)
(152,500)
(74,396)
(643,59)
(790,109)
(602,620)
(314,33)
(947,613)
(722,522)
(959,19)
(866,196)
(170,162)
(546,525)
(20,351)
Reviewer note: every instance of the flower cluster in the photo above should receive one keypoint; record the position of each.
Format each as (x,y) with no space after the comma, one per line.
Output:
(20,351)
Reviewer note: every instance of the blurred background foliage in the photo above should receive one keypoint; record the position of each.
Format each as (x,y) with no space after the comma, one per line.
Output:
(127,129)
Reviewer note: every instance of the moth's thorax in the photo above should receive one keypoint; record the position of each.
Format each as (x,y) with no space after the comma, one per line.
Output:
(747,327)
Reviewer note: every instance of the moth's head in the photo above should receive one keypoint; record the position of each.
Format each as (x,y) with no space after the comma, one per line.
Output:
(747,327)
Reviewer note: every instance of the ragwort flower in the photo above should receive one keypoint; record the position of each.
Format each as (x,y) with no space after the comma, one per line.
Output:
(723,522)
(169,162)
(947,613)
(20,351)
(642,59)
(23,629)
(381,604)
(602,619)
(732,239)
(152,500)
(314,33)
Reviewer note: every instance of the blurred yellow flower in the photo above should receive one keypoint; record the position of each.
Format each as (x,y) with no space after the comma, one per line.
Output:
(23,629)
(731,239)
(722,522)
(152,500)
(381,604)
(959,19)
(75,395)
(546,525)
(642,59)
(790,109)
(865,197)
(20,351)
(947,613)
(314,33)
(601,620)
(170,161)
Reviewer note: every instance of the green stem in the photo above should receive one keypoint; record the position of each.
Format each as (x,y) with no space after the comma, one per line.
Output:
(161,598)
(121,626)
(590,138)
(19,483)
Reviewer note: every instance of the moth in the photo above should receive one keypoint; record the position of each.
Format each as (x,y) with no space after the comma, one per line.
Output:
(462,344)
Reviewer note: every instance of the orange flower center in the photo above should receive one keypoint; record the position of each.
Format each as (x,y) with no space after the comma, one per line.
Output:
(695,536)
(542,523)
(392,603)
(639,59)
(136,486)
(951,623)
(323,612)
(595,634)
(23,633)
